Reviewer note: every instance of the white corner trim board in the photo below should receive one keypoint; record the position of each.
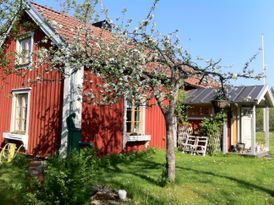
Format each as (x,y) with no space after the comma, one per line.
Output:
(72,102)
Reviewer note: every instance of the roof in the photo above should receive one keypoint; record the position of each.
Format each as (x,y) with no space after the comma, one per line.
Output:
(195,81)
(256,95)
(60,27)
(66,26)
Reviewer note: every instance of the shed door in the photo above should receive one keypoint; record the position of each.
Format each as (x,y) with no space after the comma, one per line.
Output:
(246,126)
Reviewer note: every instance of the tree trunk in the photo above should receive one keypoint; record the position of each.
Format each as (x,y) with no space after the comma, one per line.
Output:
(171,131)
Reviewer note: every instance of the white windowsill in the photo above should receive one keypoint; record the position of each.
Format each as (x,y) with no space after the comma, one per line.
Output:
(20,137)
(138,138)
(23,65)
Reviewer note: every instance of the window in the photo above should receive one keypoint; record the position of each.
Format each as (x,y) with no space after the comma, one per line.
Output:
(134,118)
(24,49)
(199,111)
(19,122)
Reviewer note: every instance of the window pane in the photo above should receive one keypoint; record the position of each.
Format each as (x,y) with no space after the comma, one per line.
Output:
(22,125)
(23,114)
(23,42)
(20,113)
(128,127)
(137,115)
(136,127)
(25,50)
(129,104)
(17,124)
(129,117)
(133,118)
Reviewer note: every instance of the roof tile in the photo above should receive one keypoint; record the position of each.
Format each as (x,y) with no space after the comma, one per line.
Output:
(68,27)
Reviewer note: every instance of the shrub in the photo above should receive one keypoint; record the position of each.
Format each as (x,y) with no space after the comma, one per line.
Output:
(14,181)
(67,181)
(212,128)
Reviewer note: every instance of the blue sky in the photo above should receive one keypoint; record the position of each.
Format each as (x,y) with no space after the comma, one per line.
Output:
(226,29)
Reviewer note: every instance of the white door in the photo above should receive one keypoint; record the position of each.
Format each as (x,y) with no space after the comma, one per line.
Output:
(246,126)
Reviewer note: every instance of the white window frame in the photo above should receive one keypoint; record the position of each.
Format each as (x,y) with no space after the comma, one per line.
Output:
(142,119)
(14,93)
(16,136)
(129,137)
(18,52)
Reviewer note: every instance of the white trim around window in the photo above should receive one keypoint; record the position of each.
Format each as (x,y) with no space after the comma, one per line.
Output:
(135,118)
(15,132)
(28,39)
(133,136)
(15,94)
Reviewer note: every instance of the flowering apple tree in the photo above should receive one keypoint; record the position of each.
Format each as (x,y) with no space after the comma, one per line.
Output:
(139,63)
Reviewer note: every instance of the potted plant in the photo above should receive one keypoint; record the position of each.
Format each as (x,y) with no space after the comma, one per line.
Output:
(221,103)
(221,100)
(240,147)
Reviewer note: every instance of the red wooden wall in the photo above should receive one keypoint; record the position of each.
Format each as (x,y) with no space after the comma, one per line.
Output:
(155,125)
(45,101)
(103,125)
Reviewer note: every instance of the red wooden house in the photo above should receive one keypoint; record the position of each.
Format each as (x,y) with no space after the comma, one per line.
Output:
(35,103)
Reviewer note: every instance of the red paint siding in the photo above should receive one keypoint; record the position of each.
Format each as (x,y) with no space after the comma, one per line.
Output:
(102,125)
(45,102)
(135,146)
(155,125)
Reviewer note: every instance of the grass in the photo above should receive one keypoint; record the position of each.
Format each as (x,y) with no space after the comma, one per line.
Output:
(220,179)
(260,138)
(229,179)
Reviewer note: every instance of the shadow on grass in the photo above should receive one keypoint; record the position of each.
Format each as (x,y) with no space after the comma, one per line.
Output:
(241,182)
(135,191)
(141,167)
(146,168)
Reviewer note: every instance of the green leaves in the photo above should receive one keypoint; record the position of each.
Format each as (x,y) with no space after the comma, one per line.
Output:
(67,181)
(181,108)
(212,128)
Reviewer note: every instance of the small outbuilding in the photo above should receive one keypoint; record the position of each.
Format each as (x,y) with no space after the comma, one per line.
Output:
(239,131)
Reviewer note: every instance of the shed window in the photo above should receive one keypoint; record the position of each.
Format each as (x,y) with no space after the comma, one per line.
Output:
(199,111)
(134,118)
(24,49)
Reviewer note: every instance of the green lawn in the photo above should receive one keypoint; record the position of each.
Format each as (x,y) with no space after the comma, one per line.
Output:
(200,180)
(260,138)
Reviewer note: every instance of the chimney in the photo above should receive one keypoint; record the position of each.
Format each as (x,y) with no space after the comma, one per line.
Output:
(103,24)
